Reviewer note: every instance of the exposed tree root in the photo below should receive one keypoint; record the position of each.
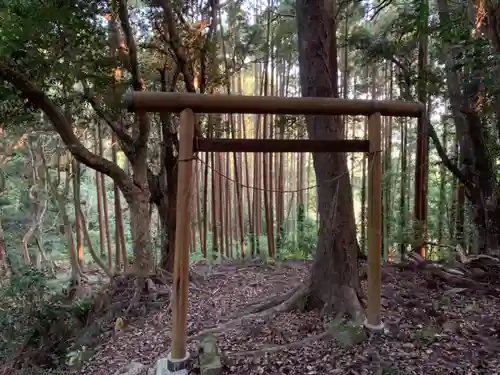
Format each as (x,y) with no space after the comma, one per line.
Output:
(347,299)
(279,306)
(127,295)
(480,273)
(347,302)
(278,348)
(264,303)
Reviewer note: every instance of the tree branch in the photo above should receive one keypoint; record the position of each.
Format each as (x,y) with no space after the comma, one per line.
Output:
(204,49)
(126,143)
(126,139)
(445,159)
(137,82)
(179,51)
(453,168)
(177,47)
(134,70)
(62,126)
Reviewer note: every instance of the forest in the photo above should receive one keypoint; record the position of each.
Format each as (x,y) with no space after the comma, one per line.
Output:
(277,241)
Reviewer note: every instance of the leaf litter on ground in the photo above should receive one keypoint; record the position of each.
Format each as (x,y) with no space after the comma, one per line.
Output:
(430,328)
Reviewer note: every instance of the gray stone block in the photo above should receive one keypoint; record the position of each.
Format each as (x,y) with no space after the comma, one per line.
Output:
(210,362)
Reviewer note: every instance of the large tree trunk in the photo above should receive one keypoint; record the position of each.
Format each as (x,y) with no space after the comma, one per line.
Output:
(476,160)
(167,212)
(140,230)
(164,194)
(487,229)
(334,277)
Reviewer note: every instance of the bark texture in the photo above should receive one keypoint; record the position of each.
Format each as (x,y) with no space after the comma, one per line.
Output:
(334,278)
(466,89)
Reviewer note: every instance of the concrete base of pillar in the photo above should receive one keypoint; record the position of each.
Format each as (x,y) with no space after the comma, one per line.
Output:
(374,328)
(169,366)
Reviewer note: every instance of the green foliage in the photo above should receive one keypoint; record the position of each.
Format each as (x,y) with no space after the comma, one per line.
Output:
(18,211)
(296,245)
(39,326)
(303,246)
(54,45)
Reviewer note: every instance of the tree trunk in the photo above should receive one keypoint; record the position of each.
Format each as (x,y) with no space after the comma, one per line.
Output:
(476,161)
(403,188)
(59,201)
(120,249)
(199,221)
(77,203)
(167,213)
(104,201)
(98,187)
(3,253)
(442,191)
(388,177)
(166,206)
(422,163)
(334,276)
(266,158)
(139,224)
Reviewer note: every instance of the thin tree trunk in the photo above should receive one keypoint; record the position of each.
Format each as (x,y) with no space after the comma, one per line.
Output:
(388,171)
(104,198)
(59,201)
(421,164)
(403,187)
(214,191)
(120,249)
(259,88)
(363,192)
(232,134)
(221,202)
(77,203)
(265,157)
(442,191)
(199,220)
(99,193)
(205,206)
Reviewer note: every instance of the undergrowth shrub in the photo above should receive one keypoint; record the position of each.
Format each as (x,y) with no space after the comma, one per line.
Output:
(303,244)
(37,324)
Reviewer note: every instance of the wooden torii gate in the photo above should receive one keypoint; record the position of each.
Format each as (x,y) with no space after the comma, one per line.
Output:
(191,141)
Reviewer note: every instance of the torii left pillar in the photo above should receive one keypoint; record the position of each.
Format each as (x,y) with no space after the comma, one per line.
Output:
(177,360)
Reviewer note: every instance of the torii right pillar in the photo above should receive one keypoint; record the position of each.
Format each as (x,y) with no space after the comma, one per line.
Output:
(373,314)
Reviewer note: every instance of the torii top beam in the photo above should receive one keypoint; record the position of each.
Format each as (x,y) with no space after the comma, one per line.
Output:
(142,101)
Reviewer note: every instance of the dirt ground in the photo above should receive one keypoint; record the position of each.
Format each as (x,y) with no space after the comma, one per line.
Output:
(431,328)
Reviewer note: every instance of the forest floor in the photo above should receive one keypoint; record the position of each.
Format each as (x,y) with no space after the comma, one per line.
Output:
(431,328)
